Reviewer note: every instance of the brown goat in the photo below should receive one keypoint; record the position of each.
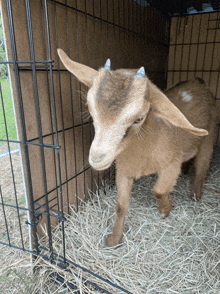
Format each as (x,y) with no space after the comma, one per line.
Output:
(136,124)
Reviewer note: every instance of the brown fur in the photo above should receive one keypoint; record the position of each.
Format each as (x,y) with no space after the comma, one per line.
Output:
(136,124)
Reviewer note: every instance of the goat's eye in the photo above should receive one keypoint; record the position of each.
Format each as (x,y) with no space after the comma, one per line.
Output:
(138,120)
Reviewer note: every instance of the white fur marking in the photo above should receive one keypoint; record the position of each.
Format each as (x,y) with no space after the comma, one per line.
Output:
(186,96)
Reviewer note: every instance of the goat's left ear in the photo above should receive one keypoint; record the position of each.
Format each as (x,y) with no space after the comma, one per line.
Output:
(165,109)
(84,74)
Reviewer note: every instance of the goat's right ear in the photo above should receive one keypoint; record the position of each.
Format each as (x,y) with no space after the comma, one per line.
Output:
(166,110)
(84,73)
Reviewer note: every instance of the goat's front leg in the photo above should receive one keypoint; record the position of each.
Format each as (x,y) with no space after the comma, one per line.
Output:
(124,185)
(166,180)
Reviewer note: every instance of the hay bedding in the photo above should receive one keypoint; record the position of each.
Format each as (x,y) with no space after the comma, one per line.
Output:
(180,254)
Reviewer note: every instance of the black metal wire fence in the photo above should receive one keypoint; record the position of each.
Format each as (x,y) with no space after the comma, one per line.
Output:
(194,51)
(51,170)
(53,137)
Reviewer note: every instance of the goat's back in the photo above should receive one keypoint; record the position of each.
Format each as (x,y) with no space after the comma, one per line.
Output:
(195,101)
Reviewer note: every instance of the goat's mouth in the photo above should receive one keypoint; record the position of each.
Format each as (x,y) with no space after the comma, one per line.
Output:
(99,166)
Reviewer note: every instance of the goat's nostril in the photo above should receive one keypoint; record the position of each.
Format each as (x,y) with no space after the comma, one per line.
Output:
(97,158)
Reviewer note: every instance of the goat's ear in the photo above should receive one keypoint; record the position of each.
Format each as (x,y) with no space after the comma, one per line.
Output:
(84,73)
(166,110)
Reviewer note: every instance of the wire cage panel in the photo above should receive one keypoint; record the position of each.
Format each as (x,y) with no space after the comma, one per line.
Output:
(55,132)
(194,51)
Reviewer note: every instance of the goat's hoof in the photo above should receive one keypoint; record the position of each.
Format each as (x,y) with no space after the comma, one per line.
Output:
(163,215)
(196,193)
(112,240)
(165,206)
(195,197)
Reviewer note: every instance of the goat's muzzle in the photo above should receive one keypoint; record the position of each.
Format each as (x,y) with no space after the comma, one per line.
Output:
(97,158)
(98,162)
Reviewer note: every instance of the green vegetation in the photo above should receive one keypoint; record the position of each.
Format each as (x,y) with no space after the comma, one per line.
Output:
(16,281)
(6,94)
(4,238)
(22,200)
(9,114)
(3,67)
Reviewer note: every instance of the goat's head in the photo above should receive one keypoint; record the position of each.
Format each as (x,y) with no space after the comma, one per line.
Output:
(119,102)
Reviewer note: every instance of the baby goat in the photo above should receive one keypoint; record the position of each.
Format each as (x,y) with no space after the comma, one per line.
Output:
(146,131)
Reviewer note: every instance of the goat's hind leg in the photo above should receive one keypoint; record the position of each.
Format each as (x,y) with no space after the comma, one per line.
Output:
(124,185)
(166,180)
(201,165)
(203,157)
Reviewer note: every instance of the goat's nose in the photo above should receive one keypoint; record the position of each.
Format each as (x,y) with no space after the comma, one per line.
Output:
(97,158)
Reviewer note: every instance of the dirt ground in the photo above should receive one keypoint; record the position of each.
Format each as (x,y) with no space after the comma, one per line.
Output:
(4,147)
(15,267)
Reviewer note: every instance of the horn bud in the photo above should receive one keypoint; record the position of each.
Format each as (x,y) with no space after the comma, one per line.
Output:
(140,73)
(108,65)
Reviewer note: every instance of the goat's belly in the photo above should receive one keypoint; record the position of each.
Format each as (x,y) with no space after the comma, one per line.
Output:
(149,170)
(188,155)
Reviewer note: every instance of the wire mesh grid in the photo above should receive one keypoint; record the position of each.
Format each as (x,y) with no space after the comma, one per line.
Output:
(96,30)
(194,47)
(52,179)
(6,108)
